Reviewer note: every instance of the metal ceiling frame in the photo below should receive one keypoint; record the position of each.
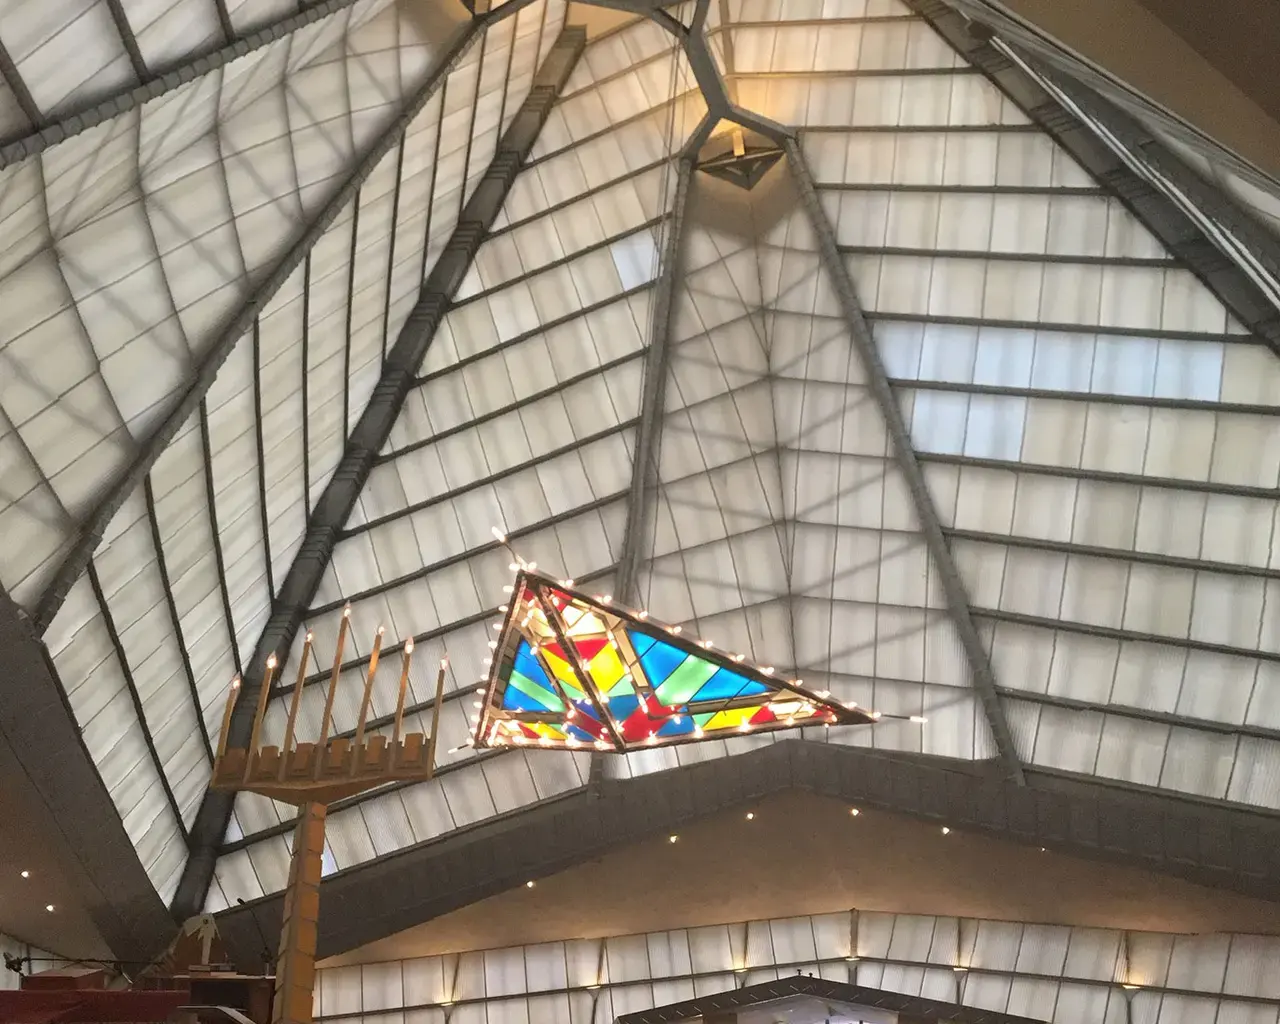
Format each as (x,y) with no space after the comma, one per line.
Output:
(1030,40)
(958,605)
(1161,215)
(94,525)
(49,131)
(1177,232)
(374,427)
(692,39)
(1215,846)
(915,1008)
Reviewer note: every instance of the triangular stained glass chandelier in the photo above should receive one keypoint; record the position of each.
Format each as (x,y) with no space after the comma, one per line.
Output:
(575,672)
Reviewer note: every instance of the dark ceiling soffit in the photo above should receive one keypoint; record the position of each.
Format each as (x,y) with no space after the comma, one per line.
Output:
(904,454)
(644,468)
(1218,847)
(48,132)
(367,439)
(912,1007)
(1157,212)
(95,854)
(95,524)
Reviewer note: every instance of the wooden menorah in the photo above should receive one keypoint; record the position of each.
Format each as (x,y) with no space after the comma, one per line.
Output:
(327,769)
(312,776)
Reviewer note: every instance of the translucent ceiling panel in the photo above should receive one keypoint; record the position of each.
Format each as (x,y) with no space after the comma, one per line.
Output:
(781,527)
(136,241)
(633,77)
(1097,430)
(69,54)
(1059,973)
(523,418)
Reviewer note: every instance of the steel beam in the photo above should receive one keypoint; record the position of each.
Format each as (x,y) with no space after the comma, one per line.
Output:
(130,41)
(47,133)
(370,434)
(175,620)
(692,39)
(135,698)
(984,682)
(88,840)
(1178,232)
(95,523)
(17,85)
(644,468)
(1208,199)
(1217,846)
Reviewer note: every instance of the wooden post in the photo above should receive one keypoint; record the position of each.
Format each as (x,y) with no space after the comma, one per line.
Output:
(296,962)
(333,687)
(226,716)
(404,685)
(435,717)
(368,693)
(293,706)
(258,716)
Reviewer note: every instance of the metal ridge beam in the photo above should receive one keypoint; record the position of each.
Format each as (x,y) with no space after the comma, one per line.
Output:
(1210,199)
(95,523)
(370,434)
(1214,846)
(644,470)
(92,847)
(1175,229)
(644,466)
(957,597)
(48,132)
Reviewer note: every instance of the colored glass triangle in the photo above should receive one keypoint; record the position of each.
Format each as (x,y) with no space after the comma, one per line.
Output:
(575,671)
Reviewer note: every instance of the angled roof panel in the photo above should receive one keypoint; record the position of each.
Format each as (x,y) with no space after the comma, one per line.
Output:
(523,416)
(233,492)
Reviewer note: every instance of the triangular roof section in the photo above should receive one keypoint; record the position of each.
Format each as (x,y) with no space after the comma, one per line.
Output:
(572,671)
(1014,302)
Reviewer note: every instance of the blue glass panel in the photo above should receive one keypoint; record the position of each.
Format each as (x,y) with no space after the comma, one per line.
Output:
(726,685)
(640,642)
(659,661)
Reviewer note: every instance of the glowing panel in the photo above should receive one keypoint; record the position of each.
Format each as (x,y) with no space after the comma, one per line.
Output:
(572,671)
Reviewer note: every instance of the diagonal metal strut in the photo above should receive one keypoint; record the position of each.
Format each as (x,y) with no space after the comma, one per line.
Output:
(644,469)
(188,401)
(370,434)
(953,587)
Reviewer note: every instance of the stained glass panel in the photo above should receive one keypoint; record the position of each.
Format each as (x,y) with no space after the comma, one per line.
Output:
(573,671)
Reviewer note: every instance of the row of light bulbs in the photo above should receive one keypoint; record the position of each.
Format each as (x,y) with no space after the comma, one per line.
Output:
(642,614)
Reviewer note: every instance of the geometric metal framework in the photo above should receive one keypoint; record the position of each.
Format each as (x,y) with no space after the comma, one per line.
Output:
(570,671)
(788,994)
(958,602)
(370,434)
(331,517)
(745,169)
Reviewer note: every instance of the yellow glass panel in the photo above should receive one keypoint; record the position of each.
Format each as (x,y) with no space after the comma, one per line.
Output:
(606,668)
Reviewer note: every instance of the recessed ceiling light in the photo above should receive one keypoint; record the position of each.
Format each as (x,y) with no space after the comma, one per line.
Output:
(26,874)
(672,839)
(854,811)
(751,815)
(49,907)
(946,831)
(529,884)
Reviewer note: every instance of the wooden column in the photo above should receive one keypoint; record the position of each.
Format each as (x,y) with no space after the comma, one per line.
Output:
(296,964)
